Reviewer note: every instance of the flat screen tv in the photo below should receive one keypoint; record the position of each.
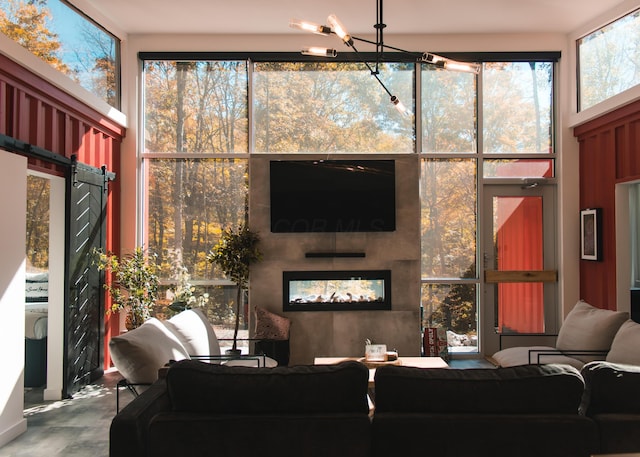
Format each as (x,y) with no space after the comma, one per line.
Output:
(332,196)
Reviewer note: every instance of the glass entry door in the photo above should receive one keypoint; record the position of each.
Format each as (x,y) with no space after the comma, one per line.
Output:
(519,262)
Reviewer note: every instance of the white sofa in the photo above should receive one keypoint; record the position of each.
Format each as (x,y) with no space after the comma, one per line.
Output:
(588,333)
(140,353)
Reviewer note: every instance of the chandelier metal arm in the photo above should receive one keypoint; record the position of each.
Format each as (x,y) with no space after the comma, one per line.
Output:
(374,72)
(417,55)
(337,28)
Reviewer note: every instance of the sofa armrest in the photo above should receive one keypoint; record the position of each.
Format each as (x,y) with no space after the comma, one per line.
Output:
(535,355)
(129,428)
(611,388)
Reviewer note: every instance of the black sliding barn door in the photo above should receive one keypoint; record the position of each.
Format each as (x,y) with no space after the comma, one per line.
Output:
(84,313)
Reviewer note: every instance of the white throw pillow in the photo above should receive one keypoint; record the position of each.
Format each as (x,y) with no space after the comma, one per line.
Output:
(626,344)
(525,355)
(195,332)
(587,328)
(140,353)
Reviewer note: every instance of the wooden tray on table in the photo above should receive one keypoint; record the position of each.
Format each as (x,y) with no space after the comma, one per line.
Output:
(377,364)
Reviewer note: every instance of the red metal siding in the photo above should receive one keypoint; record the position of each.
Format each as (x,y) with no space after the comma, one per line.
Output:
(38,113)
(609,154)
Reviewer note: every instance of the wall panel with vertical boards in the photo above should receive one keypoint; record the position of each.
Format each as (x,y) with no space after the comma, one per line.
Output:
(38,113)
(609,154)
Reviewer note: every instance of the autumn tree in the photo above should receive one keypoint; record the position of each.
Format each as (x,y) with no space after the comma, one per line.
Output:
(37,242)
(457,310)
(329,107)
(95,63)
(26,24)
(608,60)
(194,108)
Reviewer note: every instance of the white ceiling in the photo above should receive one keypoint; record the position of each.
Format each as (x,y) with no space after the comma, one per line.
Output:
(401,16)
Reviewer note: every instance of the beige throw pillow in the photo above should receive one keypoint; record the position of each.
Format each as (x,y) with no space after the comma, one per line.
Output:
(194,332)
(626,345)
(587,328)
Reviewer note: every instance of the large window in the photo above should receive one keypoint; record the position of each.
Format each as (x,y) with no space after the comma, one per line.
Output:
(195,163)
(67,40)
(204,118)
(608,60)
(494,128)
(330,108)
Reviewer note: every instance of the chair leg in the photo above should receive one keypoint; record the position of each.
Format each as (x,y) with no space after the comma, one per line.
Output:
(123,383)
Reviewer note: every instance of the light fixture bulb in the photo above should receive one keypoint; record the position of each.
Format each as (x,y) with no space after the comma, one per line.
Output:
(318,51)
(339,29)
(461,66)
(398,104)
(308,26)
(432,58)
(448,64)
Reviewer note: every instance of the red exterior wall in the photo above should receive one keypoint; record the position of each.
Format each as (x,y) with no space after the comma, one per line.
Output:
(609,154)
(36,112)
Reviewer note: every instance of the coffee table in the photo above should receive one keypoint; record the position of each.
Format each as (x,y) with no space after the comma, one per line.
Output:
(416,362)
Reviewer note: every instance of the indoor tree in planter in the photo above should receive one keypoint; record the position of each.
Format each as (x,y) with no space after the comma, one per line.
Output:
(134,286)
(234,253)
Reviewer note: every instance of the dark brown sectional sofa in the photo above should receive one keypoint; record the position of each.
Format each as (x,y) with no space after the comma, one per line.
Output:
(204,409)
(612,401)
(534,410)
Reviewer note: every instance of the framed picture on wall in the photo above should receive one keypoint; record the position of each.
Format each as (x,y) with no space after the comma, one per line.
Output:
(591,234)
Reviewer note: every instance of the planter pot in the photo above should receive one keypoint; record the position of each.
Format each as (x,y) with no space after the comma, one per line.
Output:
(233,352)
(134,320)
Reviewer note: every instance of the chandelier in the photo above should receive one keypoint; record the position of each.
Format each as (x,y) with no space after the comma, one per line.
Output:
(337,28)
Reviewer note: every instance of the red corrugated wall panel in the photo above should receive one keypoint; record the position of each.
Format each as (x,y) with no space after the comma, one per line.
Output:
(38,113)
(609,154)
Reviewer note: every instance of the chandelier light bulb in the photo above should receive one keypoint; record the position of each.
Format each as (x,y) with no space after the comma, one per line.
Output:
(318,51)
(448,64)
(398,104)
(308,26)
(461,66)
(432,58)
(339,29)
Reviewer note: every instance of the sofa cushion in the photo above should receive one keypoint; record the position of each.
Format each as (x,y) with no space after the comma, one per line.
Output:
(195,332)
(624,348)
(523,389)
(139,353)
(200,387)
(611,388)
(587,328)
(524,355)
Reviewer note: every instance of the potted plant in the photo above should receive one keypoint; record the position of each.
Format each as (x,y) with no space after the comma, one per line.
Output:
(134,285)
(234,253)
(182,293)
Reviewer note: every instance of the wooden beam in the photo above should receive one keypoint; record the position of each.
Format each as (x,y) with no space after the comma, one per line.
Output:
(496,276)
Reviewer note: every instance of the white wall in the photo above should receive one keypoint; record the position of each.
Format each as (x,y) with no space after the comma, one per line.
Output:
(55,333)
(624,256)
(13,207)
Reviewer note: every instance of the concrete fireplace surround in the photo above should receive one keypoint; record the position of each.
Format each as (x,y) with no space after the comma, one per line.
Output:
(342,333)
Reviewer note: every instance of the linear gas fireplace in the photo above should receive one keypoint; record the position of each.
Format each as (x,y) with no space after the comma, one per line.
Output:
(336,290)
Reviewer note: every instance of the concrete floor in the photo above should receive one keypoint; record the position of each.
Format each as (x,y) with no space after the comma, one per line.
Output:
(79,427)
